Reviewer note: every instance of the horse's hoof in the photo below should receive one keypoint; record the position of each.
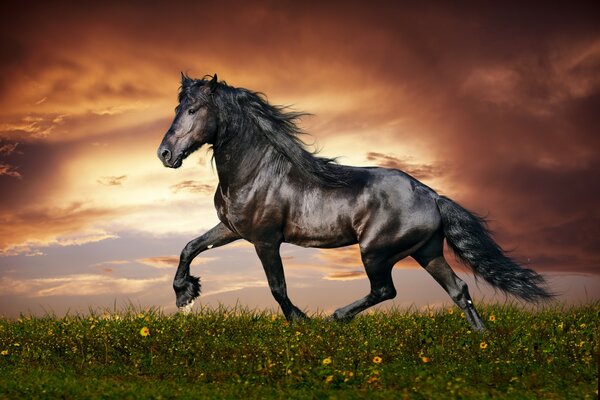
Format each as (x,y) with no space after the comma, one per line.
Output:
(338,316)
(186,291)
(185,310)
(296,316)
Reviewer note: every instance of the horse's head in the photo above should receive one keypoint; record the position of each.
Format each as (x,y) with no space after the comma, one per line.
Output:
(195,121)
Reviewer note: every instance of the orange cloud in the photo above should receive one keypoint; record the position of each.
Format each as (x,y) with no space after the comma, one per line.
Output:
(112,180)
(345,276)
(78,285)
(21,233)
(423,171)
(8,148)
(193,187)
(170,262)
(343,257)
(9,170)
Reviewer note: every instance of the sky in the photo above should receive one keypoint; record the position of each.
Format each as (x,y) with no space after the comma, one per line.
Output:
(495,106)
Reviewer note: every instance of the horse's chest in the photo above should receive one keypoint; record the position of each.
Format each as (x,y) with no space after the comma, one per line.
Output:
(231,213)
(242,213)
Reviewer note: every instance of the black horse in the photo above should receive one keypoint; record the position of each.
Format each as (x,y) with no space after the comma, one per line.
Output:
(272,190)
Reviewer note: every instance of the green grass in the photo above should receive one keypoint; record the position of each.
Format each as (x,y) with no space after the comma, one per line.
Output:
(546,353)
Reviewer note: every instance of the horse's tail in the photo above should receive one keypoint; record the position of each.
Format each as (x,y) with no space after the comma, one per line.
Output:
(468,236)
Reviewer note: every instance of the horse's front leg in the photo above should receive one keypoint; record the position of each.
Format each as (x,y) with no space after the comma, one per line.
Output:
(271,261)
(187,287)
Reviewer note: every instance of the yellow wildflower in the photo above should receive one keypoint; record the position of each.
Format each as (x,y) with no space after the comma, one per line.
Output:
(327,361)
(492,318)
(462,315)
(144,331)
(561,325)
(450,311)
(425,359)
(16,344)
(4,352)
(329,379)
(373,379)
(377,360)
(483,345)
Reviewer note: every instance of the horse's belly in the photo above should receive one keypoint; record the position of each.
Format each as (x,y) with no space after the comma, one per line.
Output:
(319,233)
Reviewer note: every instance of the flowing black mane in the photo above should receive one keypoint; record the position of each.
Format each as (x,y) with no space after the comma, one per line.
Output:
(243,110)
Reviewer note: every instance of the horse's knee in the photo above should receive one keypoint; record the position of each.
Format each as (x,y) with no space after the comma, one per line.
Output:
(385,293)
(188,253)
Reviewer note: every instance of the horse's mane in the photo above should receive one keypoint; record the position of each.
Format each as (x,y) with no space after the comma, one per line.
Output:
(243,109)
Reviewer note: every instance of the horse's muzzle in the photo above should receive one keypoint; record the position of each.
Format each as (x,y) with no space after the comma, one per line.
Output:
(166,156)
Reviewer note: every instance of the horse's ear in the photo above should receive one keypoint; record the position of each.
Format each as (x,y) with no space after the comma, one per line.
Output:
(185,80)
(213,83)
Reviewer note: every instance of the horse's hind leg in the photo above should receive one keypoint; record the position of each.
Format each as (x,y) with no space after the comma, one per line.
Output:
(379,272)
(187,287)
(435,263)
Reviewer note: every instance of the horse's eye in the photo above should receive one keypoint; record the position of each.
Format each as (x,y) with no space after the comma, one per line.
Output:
(191,111)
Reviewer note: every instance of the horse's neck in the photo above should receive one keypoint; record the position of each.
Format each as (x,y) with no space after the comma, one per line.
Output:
(240,161)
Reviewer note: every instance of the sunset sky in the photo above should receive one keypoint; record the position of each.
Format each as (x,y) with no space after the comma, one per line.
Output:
(495,107)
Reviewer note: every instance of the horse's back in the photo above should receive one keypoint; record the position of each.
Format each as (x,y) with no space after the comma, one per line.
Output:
(379,206)
(399,211)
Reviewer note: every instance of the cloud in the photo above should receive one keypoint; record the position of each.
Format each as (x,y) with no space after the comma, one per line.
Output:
(108,266)
(77,285)
(9,170)
(422,171)
(33,125)
(26,231)
(345,276)
(234,284)
(8,149)
(536,82)
(170,262)
(112,180)
(192,187)
(342,257)
(160,261)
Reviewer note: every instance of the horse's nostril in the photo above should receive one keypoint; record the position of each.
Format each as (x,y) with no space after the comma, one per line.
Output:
(165,154)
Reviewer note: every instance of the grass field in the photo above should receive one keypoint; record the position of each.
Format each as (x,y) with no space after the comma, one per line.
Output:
(547,353)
